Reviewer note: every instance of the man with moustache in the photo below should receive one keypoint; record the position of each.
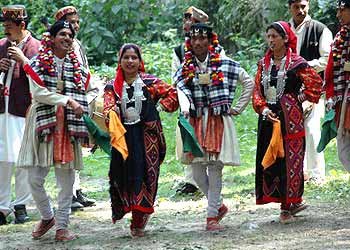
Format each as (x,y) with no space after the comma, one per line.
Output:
(314,44)
(14,101)
(206,85)
(70,14)
(191,15)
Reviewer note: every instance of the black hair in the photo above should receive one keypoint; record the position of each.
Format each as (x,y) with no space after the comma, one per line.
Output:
(278,28)
(18,22)
(127,46)
(57,26)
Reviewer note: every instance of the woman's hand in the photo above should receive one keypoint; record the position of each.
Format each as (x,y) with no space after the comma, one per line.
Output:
(270,116)
(77,108)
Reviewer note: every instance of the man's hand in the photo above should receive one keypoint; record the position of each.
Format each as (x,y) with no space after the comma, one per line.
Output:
(77,108)
(186,114)
(17,54)
(5,64)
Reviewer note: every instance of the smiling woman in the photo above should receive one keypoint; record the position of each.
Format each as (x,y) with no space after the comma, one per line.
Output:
(133,101)
(54,126)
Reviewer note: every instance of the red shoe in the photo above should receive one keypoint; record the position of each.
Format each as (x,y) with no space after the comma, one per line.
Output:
(42,227)
(65,235)
(213,224)
(222,212)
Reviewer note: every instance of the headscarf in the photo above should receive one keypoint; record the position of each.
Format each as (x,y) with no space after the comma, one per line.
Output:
(291,44)
(119,78)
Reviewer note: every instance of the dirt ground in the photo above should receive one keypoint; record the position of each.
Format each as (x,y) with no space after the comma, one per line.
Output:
(180,225)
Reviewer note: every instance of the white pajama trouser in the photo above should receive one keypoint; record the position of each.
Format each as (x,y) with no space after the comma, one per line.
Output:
(314,163)
(22,190)
(343,145)
(64,180)
(76,185)
(208,176)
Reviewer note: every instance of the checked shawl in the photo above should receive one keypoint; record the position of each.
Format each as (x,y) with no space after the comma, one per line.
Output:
(341,54)
(218,98)
(46,114)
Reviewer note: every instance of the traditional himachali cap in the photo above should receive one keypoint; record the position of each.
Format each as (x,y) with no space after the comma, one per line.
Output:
(13,13)
(197,15)
(68,10)
(344,3)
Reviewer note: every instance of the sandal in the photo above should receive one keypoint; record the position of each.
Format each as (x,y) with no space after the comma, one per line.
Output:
(286,217)
(297,207)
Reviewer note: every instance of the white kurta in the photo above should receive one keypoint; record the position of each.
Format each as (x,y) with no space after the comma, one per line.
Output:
(11,131)
(229,154)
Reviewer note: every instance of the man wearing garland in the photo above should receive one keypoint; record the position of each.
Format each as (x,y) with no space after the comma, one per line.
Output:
(314,44)
(206,83)
(338,83)
(14,101)
(70,14)
(192,15)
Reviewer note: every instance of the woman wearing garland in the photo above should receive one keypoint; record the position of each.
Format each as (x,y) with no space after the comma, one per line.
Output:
(283,81)
(206,87)
(54,129)
(338,82)
(135,98)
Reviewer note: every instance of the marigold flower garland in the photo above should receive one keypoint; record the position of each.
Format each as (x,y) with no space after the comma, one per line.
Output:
(189,69)
(46,62)
(339,43)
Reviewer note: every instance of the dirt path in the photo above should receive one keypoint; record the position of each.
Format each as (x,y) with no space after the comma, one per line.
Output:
(180,225)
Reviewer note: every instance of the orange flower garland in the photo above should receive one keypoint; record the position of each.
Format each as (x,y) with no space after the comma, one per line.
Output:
(189,69)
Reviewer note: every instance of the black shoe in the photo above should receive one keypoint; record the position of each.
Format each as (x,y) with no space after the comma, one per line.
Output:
(76,205)
(85,201)
(21,214)
(3,220)
(187,188)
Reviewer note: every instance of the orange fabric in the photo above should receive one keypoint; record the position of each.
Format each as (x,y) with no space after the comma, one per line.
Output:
(63,148)
(117,132)
(275,149)
(212,139)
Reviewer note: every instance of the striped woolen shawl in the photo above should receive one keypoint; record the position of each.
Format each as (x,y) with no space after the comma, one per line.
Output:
(218,98)
(341,54)
(46,114)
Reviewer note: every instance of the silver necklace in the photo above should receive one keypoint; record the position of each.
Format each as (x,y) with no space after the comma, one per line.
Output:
(273,94)
(132,114)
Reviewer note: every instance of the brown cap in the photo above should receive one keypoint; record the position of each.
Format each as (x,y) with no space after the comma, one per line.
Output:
(14,13)
(198,15)
(68,10)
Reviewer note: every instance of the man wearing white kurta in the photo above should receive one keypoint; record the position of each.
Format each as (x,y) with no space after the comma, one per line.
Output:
(15,102)
(206,85)
(314,44)
(70,14)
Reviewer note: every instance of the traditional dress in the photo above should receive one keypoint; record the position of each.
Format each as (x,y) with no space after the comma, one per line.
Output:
(338,91)
(53,135)
(134,181)
(314,45)
(294,82)
(13,105)
(206,90)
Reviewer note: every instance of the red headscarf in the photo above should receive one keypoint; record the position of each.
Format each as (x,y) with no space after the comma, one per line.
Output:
(291,43)
(119,78)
